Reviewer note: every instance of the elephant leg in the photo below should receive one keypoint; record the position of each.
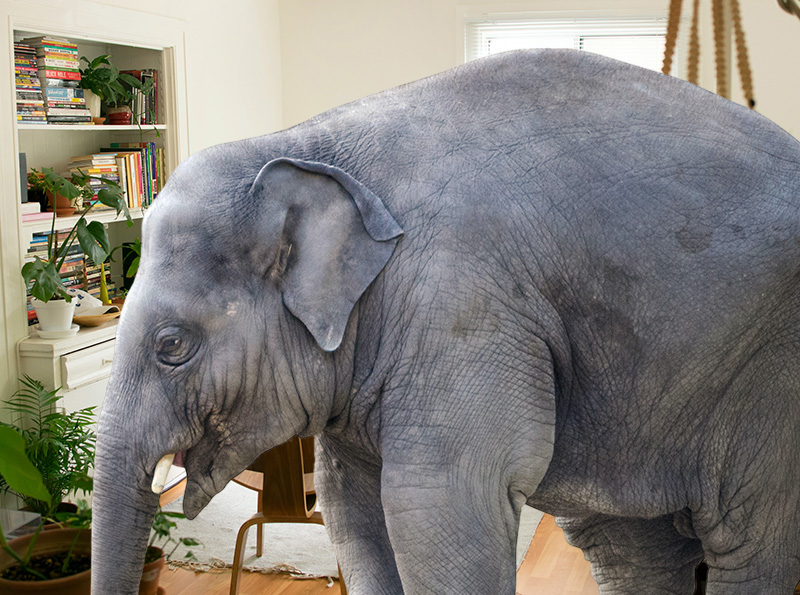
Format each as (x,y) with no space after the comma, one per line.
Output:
(631,556)
(459,467)
(763,558)
(350,496)
(447,539)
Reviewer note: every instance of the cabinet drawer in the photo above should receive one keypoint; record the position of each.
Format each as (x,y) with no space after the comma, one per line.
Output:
(85,366)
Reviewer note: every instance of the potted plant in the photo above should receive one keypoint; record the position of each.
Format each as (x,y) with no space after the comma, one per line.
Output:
(41,556)
(60,445)
(156,555)
(46,285)
(36,189)
(103,79)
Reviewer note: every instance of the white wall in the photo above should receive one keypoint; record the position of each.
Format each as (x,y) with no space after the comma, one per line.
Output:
(334,52)
(233,66)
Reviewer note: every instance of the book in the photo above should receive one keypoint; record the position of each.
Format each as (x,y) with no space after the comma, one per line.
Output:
(49,39)
(48,62)
(63,93)
(36,216)
(67,111)
(30,207)
(56,73)
(60,83)
(93,158)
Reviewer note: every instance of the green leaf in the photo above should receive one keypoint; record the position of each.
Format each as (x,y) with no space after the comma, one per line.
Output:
(17,469)
(189,541)
(112,197)
(93,239)
(133,268)
(61,185)
(46,280)
(131,80)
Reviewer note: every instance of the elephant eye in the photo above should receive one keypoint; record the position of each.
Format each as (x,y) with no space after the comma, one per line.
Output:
(175,346)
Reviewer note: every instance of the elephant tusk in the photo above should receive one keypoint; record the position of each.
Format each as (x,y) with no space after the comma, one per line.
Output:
(160,474)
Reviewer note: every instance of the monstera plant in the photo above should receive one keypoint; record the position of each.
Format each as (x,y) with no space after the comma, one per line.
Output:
(43,274)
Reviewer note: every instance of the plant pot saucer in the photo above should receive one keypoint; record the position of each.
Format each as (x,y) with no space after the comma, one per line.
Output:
(96,320)
(73,330)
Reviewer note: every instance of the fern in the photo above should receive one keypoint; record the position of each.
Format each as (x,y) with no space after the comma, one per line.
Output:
(60,445)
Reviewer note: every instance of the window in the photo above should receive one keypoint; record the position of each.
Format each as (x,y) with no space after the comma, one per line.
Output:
(638,41)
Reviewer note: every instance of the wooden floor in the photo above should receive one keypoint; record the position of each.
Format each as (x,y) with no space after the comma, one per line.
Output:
(551,568)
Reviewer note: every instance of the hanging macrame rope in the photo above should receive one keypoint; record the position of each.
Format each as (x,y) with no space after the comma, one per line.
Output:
(720,60)
(672,34)
(741,55)
(694,45)
(720,53)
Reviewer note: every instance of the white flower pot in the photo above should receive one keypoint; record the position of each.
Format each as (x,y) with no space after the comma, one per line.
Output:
(55,315)
(92,103)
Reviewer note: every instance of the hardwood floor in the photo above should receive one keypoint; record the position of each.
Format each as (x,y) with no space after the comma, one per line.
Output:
(551,567)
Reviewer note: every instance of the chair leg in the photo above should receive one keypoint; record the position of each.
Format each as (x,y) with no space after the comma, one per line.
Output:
(238,556)
(260,527)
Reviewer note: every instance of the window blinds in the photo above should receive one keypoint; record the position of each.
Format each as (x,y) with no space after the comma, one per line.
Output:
(639,41)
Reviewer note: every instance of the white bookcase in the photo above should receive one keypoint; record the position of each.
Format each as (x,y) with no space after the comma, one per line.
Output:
(135,40)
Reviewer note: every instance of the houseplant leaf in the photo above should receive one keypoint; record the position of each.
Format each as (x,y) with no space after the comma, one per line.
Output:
(15,467)
(112,197)
(46,281)
(93,239)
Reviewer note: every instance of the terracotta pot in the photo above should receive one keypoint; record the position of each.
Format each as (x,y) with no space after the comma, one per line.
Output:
(49,542)
(150,575)
(62,507)
(64,206)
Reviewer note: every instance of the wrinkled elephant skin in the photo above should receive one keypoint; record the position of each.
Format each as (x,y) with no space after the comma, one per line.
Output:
(545,277)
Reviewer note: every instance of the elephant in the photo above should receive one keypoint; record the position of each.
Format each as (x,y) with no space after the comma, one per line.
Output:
(545,277)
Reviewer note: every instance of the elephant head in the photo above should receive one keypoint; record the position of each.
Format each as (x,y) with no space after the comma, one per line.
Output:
(230,336)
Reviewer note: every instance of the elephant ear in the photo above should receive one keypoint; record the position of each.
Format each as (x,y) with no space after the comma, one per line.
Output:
(331,238)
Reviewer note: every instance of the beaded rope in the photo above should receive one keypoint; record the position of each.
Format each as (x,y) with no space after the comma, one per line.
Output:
(675,7)
(743,61)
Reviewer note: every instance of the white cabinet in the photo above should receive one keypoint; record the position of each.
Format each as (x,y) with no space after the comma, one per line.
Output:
(80,365)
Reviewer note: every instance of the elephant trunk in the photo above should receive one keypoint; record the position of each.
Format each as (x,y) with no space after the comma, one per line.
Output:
(123,508)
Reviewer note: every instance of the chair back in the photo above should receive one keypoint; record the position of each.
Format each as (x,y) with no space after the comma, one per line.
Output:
(286,491)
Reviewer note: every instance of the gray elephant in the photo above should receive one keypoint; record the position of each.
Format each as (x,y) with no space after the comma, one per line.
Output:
(545,277)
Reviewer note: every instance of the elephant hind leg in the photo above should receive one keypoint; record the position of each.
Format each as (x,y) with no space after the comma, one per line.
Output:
(636,556)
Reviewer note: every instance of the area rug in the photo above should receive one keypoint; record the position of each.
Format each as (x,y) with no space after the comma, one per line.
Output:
(300,549)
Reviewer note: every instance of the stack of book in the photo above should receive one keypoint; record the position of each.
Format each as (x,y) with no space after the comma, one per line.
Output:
(30,105)
(100,166)
(57,60)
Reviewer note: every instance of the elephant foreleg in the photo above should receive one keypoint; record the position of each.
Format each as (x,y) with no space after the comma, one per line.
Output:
(350,495)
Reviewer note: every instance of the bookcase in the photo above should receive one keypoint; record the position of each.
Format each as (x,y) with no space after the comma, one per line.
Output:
(135,40)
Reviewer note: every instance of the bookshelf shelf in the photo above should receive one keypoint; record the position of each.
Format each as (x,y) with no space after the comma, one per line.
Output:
(67,222)
(146,128)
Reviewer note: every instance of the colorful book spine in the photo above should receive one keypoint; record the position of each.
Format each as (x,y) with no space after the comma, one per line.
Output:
(28,90)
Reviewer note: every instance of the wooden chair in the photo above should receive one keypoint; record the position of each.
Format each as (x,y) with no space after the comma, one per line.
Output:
(285,495)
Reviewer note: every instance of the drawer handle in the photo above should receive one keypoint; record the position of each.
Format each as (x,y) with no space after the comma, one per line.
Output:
(107,361)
